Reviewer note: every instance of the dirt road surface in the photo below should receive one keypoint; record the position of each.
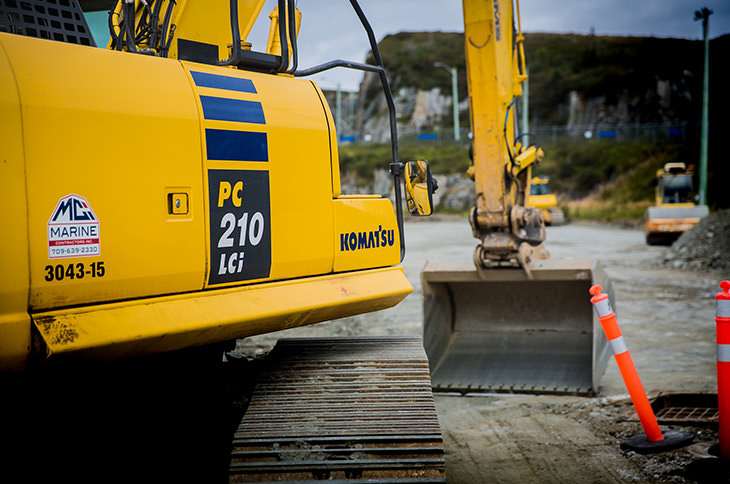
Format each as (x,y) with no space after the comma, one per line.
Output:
(667,319)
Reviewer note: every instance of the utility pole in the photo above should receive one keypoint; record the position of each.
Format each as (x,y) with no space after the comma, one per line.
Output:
(338,110)
(704,15)
(352,114)
(454,96)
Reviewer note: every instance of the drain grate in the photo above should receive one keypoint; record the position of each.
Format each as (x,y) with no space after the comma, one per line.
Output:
(686,408)
(687,414)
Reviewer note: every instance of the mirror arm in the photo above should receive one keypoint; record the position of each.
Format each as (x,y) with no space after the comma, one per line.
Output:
(396,169)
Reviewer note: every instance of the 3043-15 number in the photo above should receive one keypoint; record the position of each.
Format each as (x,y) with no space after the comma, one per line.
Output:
(80,270)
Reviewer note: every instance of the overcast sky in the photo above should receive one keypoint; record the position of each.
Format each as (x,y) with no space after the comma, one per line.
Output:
(330,29)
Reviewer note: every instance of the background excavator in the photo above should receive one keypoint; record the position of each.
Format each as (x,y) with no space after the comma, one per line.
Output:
(541,197)
(514,321)
(163,197)
(674,211)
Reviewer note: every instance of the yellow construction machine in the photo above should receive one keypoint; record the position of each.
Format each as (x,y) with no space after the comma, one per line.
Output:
(674,211)
(542,198)
(165,196)
(518,321)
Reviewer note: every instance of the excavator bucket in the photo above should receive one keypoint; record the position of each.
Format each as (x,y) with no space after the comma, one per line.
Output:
(498,331)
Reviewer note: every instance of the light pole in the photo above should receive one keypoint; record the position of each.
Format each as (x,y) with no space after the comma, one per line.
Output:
(338,109)
(704,15)
(454,96)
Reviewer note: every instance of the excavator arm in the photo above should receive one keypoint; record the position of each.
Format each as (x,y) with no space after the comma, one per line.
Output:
(506,228)
(518,323)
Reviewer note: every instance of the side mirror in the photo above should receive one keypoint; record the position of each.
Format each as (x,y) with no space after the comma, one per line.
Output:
(420,186)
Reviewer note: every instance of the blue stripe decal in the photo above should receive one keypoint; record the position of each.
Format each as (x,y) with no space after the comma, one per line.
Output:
(230,145)
(224,109)
(203,79)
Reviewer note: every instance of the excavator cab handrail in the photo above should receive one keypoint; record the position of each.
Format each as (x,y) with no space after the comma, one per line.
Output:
(396,167)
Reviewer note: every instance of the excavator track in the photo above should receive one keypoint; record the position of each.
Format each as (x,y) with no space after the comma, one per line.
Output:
(342,410)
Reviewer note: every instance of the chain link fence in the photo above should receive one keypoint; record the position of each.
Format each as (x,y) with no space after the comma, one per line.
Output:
(625,133)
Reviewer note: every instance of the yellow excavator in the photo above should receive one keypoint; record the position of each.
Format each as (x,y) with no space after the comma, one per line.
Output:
(541,197)
(674,211)
(513,320)
(163,197)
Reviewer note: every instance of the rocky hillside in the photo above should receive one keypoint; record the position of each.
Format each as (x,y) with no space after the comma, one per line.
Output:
(619,79)
(575,80)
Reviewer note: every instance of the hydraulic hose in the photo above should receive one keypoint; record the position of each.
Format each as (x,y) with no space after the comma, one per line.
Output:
(154,18)
(293,36)
(129,26)
(164,40)
(283,37)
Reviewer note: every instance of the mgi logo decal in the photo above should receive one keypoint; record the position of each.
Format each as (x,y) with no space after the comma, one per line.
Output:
(73,230)
(240,219)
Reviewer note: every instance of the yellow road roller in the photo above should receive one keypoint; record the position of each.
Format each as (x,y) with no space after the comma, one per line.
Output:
(674,211)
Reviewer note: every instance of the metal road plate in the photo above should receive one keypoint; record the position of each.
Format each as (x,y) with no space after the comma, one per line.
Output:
(341,409)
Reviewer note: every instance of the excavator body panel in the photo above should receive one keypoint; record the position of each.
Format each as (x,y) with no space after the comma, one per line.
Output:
(199,209)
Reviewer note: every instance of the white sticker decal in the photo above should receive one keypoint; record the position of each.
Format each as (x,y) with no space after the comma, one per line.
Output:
(73,229)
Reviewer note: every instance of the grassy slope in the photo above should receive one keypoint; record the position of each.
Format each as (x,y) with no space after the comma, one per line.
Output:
(608,181)
(597,180)
(363,159)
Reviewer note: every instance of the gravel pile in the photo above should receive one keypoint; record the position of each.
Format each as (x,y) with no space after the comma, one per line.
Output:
(705,247)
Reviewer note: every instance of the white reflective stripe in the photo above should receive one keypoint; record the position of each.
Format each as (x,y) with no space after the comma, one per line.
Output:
(618,345)
(723,353)
(723,308)
(603,308)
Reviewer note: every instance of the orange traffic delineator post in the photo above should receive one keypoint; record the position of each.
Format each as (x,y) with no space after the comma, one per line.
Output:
(653,440)
(722,320)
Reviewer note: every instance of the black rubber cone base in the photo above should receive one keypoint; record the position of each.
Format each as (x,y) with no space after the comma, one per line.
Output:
(673,439)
